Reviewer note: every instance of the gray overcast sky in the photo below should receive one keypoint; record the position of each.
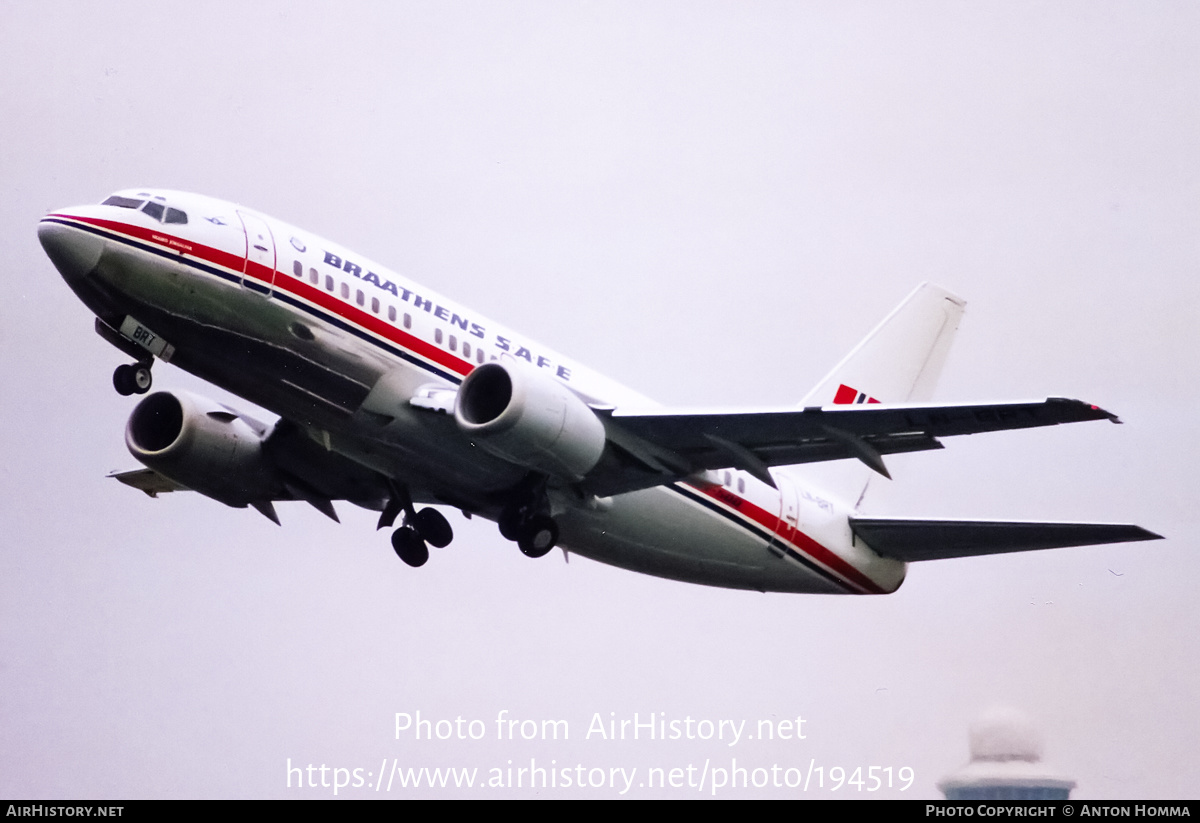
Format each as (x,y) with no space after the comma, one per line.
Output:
(710,202)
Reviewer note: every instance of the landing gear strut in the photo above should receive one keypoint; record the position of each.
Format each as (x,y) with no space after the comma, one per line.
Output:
(132,378)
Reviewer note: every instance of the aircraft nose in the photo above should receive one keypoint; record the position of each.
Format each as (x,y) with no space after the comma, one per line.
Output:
(74,252)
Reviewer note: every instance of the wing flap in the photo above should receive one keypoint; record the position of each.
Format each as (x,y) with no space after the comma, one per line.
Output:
(681,431)
(913,540)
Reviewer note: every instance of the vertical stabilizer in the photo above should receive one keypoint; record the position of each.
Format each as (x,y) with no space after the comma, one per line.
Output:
(901,359)
(898,362)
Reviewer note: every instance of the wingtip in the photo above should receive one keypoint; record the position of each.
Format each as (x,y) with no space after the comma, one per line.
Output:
(1092,411)
(1137,534)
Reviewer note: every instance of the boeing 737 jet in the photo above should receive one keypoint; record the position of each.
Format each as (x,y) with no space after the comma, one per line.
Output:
(396,398)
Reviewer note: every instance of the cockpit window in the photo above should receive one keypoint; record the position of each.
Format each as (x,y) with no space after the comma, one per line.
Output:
(123,202)
(160,212)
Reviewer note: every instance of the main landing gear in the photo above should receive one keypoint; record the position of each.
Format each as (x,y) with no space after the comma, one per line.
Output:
(526,520)
(132,378)
(527,523)
(536,534)
(421,529)
(426,528)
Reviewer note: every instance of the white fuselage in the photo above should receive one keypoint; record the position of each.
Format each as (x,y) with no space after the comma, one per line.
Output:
(340,345)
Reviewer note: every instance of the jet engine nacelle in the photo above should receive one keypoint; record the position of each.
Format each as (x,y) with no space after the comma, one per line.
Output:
(202,445)
(530,419)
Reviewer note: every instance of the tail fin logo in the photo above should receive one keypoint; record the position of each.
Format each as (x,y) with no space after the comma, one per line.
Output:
(847,396)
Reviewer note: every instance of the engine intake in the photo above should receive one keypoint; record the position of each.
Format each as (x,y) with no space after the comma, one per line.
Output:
(201,445)
(525,417)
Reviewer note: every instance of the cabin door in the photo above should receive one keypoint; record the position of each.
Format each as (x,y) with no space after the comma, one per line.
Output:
(258,269)
(789,512)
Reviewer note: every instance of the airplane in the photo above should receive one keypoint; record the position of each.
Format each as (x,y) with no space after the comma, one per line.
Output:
(398,399)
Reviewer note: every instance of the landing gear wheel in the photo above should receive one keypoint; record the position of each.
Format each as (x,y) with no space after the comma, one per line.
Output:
(538,536)
(132,379)
(123,380)
(431,524)
(409,546)
(510,522)
(142,379)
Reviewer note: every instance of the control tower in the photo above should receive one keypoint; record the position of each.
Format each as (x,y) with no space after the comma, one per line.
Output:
(1006,763)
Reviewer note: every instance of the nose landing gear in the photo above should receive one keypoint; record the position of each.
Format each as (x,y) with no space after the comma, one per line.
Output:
(132,378)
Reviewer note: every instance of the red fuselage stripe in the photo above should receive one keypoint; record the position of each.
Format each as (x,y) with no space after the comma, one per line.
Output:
(796,538)
(281,281)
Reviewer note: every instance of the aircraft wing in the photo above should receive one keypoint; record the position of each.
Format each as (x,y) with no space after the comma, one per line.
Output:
(913,540)
(295,466)
(655,447)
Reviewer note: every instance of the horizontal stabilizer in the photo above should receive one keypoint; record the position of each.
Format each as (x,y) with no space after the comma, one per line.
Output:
(911,540)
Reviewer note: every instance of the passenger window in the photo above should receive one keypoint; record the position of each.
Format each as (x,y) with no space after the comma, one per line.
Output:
(392,313)
(437,336)
(480,355)
(313,276)
(360,298)
(728,479)
(298,268)
(407,320)
(375,304)
(345,291)
(741,485)
(329,282)
(453,343)
(466,350)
